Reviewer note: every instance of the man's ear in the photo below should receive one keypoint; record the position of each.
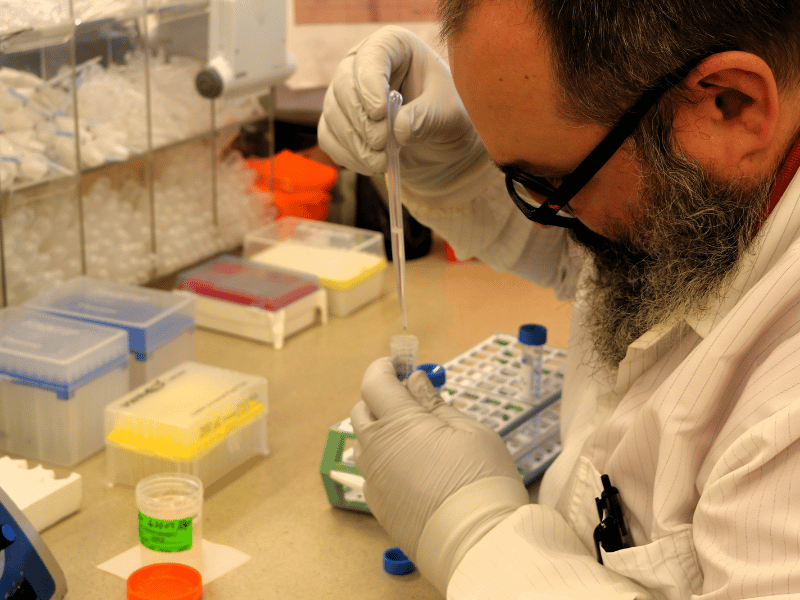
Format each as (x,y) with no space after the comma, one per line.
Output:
(730,119)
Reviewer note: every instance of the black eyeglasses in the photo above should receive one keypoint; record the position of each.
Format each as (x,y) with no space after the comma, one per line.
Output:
(553,209)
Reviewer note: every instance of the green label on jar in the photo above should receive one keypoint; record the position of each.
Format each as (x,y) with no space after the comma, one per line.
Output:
(170,535)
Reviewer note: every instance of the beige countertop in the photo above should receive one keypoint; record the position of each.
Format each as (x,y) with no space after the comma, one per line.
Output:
(275,509)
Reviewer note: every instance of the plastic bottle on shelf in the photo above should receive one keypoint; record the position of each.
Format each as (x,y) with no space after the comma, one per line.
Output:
(532,338)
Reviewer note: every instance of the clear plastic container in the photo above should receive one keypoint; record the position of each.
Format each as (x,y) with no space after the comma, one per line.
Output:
(349,262)
(194,419)
(404,348)
(160,324)
(171,519)
(251,300)
(57,376)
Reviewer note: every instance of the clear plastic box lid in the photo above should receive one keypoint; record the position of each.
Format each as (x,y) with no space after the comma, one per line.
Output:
(186,411)
(321,234)
(234,279)
(57,353)
(151,317)
(340,255)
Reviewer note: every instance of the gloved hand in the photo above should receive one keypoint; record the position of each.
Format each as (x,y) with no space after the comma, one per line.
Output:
(436,479)
(441,153)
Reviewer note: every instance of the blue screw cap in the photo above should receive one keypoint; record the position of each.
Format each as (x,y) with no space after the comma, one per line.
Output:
(436,373)
(532,335)
(397,563)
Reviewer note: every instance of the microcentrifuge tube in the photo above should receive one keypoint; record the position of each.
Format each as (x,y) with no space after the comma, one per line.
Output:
(531,340)
(404,354)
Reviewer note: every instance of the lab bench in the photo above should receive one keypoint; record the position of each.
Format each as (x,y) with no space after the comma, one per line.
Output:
(274,508)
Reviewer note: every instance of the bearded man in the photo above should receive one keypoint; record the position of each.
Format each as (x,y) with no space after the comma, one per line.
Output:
(649,150)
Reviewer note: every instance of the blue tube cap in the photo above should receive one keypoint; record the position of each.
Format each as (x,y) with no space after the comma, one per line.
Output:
(436,373)
(532,335)
(397,563)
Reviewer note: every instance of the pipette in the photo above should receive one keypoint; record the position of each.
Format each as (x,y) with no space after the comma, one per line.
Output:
(394,100)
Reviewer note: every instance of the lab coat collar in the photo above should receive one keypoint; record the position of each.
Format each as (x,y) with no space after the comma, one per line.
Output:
(645,351)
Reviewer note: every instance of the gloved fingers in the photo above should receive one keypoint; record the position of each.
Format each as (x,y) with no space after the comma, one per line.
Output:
(432,108)
(346,133)
(347,147)
(384,394)
(395,58)
(367,106)
(423,391)
(443,119)
(361,418)
(409,127)
(381,63)
(457,419)
(356,450)
(429,398)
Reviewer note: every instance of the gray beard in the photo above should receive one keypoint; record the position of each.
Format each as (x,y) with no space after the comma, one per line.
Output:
(676,258)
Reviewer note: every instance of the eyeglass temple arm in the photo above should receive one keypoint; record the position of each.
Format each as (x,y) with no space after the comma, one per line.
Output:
(624,128)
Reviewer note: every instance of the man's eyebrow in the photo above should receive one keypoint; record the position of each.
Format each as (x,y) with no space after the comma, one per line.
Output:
(530,168)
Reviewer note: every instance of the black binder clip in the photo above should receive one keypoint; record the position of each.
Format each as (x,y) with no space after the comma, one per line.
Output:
(611,533)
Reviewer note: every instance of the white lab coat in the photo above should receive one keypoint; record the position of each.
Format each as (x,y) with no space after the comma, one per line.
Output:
(700,432)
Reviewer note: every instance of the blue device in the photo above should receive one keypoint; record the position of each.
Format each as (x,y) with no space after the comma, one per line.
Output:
(28,571)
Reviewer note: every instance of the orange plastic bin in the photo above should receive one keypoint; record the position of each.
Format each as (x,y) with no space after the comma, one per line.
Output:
(302,185)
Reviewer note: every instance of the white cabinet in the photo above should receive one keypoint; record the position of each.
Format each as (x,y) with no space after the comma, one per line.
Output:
(111,163)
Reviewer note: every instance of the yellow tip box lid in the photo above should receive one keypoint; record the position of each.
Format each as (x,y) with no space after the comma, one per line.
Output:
(186,411)
(336,268)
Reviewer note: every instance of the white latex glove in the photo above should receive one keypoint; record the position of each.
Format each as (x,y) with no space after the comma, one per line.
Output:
(436,479)
(441,153)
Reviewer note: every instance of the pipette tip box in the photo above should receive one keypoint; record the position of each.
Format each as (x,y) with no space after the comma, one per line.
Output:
(57,376)
(254,301)
(349,261)
(195,419)
(159,323)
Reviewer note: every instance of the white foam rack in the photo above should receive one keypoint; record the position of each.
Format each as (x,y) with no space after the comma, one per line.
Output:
(484,383)
(39,494)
